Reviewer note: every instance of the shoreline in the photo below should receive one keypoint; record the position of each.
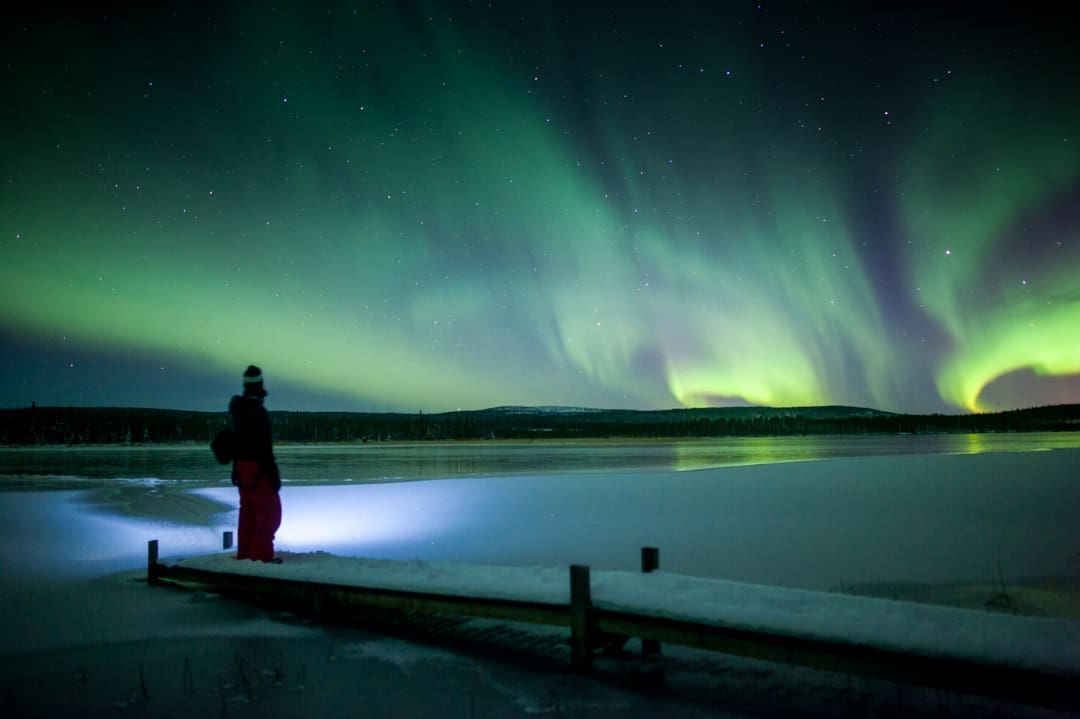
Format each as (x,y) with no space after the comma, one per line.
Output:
(549,440)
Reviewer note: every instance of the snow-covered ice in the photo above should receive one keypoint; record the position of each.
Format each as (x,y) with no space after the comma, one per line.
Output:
(81,631)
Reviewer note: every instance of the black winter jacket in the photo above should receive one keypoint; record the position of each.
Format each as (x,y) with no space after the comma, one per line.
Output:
(253,439)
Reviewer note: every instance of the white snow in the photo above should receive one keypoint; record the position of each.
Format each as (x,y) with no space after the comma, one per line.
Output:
(1023,642)
(1027,642)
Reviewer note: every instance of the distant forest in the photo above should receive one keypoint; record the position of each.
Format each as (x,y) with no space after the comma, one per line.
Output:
(124,426)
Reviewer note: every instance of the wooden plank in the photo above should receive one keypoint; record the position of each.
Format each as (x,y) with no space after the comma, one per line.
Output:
(650,559)
(153,569)
(332,597)
(580,618)
(952,674)
(650,562)
(589,624)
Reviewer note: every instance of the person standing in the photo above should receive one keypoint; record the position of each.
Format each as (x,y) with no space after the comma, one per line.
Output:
(255,471)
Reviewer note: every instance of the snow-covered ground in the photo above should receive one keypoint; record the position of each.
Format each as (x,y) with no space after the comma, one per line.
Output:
(81,633)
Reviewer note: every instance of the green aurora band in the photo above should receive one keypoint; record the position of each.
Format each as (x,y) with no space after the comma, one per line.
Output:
(440,236)
(1008,297)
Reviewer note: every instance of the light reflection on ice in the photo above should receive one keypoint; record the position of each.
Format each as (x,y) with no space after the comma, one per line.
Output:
(374,519)
(926,518)
(53,534)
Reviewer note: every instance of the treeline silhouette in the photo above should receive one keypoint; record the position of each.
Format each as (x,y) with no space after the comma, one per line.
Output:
(124,426)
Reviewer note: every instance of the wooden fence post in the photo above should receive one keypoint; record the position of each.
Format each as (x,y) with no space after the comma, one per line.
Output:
(151,561)
(650,560)
(580,616)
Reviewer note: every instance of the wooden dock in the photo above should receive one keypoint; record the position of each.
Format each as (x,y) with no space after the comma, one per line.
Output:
(595,625)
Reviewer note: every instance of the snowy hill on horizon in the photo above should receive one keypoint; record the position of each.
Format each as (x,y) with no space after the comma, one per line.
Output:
(743,411)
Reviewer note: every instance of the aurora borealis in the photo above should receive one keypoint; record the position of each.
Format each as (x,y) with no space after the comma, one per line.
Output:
(459,205)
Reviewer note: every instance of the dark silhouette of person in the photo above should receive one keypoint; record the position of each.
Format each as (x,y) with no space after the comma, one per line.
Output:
(255,471)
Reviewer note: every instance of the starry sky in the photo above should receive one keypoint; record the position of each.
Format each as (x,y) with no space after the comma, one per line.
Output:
(433,206)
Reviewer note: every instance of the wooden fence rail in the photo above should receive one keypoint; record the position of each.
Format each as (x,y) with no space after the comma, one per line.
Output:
(594,627)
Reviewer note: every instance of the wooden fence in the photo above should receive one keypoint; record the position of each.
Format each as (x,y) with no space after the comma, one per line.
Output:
(594,628)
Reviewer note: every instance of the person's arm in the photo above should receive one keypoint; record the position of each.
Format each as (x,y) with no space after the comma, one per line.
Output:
(267,459)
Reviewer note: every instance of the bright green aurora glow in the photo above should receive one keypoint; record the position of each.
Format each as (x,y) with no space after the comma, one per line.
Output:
(465,208)
(990,259)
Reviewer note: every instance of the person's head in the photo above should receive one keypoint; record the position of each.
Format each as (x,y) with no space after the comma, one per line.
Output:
(253,382)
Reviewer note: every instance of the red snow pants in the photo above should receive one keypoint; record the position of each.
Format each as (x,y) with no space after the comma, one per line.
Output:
(260,512)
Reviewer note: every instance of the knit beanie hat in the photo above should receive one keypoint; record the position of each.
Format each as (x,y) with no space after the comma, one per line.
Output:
(253,382)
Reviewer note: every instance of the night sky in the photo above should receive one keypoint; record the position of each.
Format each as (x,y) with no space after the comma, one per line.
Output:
(432,206)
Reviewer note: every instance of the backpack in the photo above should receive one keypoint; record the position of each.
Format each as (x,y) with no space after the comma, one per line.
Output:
(224,446)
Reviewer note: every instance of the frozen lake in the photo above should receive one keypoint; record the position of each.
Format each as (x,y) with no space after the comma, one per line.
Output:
(818,513)
(75,467)
(874,509)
